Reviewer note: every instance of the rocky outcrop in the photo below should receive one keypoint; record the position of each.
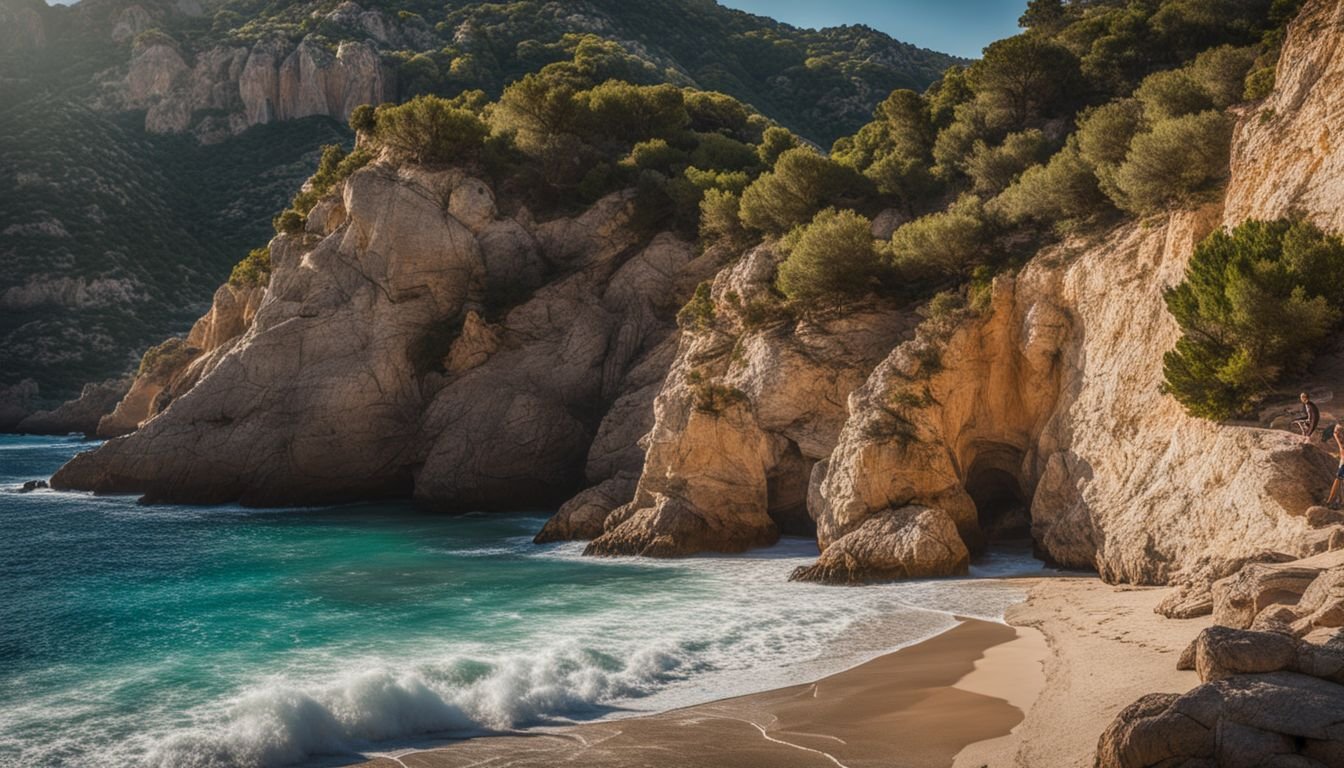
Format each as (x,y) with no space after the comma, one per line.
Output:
(1287,153)
(81,414)
(1280,718)
(753,400)
(156,385)
(268,81)
(1272,694)
(906,543)
(376,361)
(21,26)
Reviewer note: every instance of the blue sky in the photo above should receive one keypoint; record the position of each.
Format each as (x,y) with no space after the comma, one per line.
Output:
(962,27)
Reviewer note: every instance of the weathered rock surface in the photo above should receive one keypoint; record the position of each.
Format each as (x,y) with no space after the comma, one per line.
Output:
(373,364)
(1272,694)
(906,543)
(1042,400)
(271,80)
(81,414)
(1287,156)
(21,27)
(754,399)
(1248,720)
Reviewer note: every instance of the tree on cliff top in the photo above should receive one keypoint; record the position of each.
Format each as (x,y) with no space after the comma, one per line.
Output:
(1256,303)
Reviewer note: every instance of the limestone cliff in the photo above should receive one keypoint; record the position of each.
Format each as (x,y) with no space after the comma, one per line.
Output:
(1052,398)
(244,86)
(1048,399)
(375,364)
(753,400)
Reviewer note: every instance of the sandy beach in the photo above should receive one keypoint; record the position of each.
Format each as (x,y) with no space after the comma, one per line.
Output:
(1035,692)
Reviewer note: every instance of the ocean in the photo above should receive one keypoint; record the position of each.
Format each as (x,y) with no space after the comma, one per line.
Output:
(224,636)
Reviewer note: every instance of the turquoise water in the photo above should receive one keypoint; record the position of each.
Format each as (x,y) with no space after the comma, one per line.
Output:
(222,636)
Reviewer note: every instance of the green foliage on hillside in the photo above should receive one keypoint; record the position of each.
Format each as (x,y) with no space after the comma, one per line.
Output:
(253,271)
(1257,303)
(832,257)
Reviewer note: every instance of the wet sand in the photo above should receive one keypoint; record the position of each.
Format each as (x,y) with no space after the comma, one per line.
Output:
(1034,693)
(916,707)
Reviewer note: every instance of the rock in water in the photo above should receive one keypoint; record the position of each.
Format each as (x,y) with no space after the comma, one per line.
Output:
(905,543)
(33,485)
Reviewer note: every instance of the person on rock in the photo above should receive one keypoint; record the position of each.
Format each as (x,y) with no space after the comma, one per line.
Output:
(1311,416)
(1335,499)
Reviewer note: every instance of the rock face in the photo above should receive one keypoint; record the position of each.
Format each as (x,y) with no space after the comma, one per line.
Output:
(81,414)
(373,363)
(1043,399)
(1287,155)
(271,80)
(231,313)
(21,26)
(753,400)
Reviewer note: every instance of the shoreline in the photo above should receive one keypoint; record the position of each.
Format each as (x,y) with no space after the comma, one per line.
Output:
(932,699)
(1036,690)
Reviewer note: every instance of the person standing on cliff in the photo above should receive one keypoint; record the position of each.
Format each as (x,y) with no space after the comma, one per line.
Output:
(1337,432)
(1311,416)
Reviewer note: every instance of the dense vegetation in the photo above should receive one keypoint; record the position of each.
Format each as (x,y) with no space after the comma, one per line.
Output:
(1256,304)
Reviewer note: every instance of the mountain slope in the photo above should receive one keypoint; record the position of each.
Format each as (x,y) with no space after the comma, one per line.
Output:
(112,236)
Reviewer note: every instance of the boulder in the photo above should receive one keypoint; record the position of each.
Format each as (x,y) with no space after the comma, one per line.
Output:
(906,543)
(1222,652)
(584,517)
(1245,720)
(1239,598)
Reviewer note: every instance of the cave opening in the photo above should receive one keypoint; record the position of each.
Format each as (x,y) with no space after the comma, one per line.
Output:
(1003,506)
(786,493)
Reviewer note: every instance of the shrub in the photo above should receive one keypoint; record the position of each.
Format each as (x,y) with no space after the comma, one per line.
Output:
(1104,135)
(1060,192)
(334,167)
(289,222)
(629,113)
(1026,77)
(718,216)
(429,130)
(943,244)
(992,169)
(801,183)
(255,270)
(536,110)
(713,112)
(165,359)
(1259,84)
(1221,72)
(1170,94)
(831,257)
(655,155)
(716,151)
(907,180)
(775,142)
(363,119)
(1173,161)
(1256,303)
(698,314)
